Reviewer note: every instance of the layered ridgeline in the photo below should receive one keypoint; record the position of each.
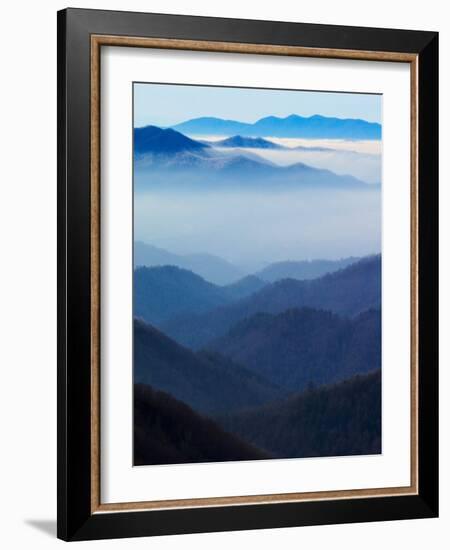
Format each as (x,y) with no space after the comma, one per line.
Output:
(163,142)
(206,381)
(262,358)
(305,346)
(302,270)
(167,159)
(240,363)
(334,420)
(286,382)
(293,126)
(221,272)
(166,292)
(212,268)
(245,143)
(167,431)
(162,293)
(346,292)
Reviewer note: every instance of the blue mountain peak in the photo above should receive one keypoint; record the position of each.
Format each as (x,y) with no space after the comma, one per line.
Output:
(314,127)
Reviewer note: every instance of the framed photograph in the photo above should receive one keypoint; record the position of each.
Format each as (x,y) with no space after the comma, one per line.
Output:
(247,253)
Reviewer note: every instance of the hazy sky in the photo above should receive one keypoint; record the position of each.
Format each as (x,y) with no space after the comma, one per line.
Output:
(169,104)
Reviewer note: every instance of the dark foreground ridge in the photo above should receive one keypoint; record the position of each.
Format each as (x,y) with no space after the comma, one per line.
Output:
(167,431)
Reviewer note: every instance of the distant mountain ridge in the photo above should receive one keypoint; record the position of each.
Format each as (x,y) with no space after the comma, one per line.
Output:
(163,141)
(167,158)
(244,287)
(245,142)
(242,142)
(216,270)
(294,126)
(302,270)
(212,268)
(346,292)
(166,291)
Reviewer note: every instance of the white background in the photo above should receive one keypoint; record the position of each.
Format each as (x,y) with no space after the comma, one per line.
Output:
(28,275)
(122,483)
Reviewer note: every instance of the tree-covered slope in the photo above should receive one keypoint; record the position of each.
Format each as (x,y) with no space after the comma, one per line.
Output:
(161,293)
(205,381)
(347,292)
(335,420)
(167,431)
(303,346)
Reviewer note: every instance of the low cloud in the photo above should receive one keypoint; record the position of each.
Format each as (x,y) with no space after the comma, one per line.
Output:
(255,228)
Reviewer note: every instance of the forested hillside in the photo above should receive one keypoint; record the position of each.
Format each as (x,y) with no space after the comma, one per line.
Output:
(347,292)
(167,431)
(333,420)
(303,346)
(207,381)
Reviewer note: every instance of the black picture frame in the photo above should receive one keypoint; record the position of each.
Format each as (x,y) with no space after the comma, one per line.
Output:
(76,521)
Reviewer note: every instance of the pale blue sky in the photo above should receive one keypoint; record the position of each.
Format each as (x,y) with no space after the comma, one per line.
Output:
(169,104)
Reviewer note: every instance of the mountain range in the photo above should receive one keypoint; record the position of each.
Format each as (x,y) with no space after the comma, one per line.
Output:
(346,292)
(293,126)
(206,381)
(245,143)
(201,407)
(167,431)
(304,346)
(160,293)
(212,268)
(221,272)
(252,361)
(288,370)
(163,141)
(166,292)
(242,142)
(341,419)
(302,270)
(165,158)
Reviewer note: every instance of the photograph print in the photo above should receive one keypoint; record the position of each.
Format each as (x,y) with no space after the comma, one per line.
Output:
(257,274)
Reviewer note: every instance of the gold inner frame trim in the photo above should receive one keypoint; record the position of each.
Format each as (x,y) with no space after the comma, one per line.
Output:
(97,41)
